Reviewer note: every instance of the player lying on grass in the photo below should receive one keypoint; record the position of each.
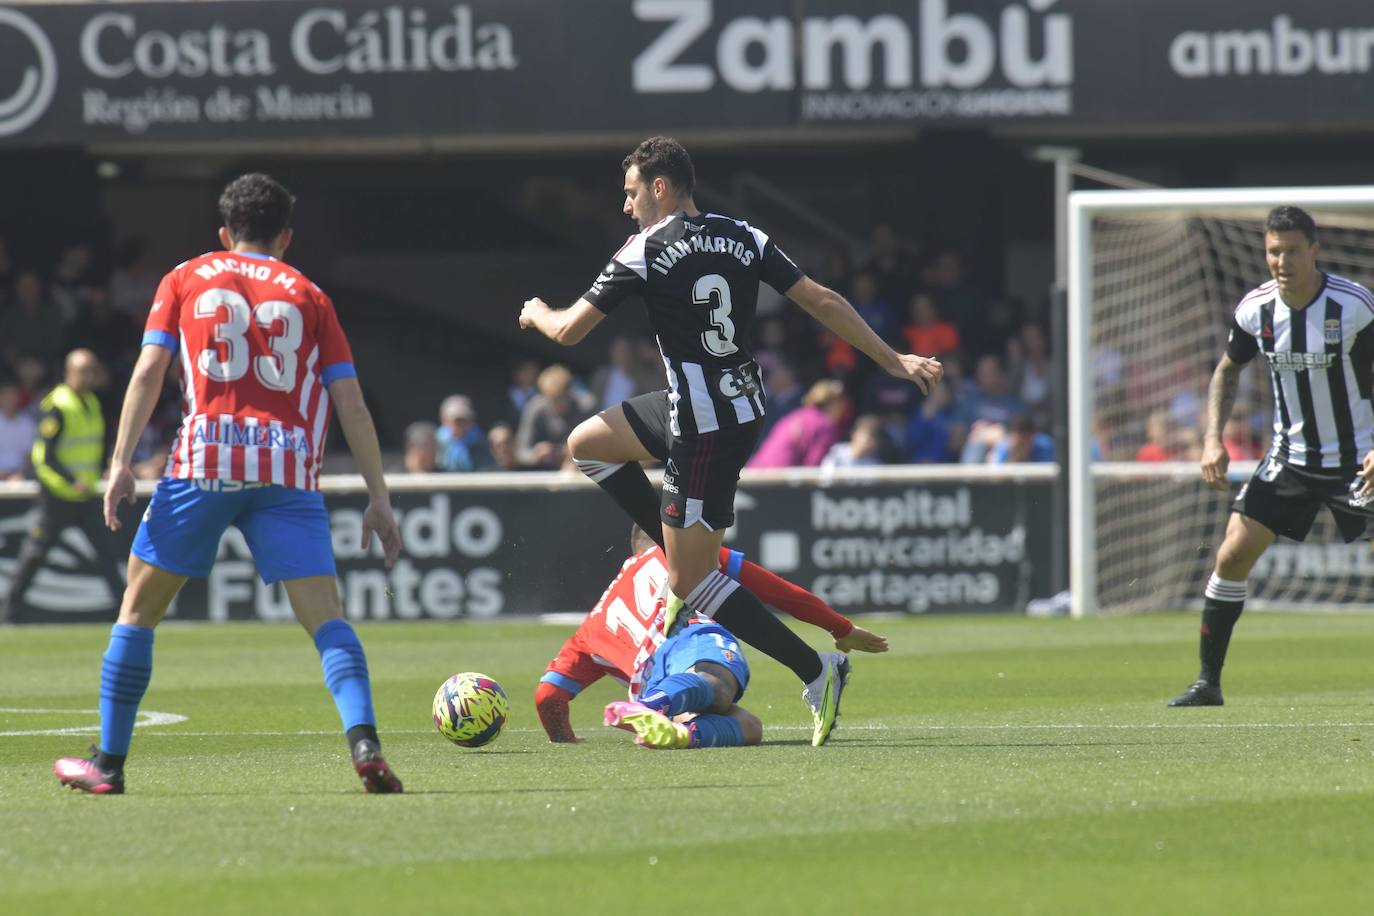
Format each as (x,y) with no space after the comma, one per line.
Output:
(621,626)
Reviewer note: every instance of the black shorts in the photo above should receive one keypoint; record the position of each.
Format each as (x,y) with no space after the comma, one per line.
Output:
(1285,500)
(701,472)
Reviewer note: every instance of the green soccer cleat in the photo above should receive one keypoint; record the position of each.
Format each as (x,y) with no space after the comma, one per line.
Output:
(652,728)
(823,695)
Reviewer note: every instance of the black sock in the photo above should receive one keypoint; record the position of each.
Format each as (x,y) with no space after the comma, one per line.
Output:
(1220,611)
(743,614)
(363,732)
(629,486)
(110,762)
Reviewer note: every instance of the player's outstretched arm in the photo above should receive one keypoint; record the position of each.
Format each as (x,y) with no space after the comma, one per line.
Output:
(361,434)
(145,386)
(564,326)
(834,311)
(1221,398)
(796,601)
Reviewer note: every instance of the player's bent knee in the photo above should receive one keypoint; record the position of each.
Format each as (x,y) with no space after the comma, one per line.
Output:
(724,686)
(750,724)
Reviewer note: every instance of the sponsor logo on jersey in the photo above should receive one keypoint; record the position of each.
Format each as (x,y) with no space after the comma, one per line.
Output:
(1333,330)
(738,382)
(1300,362)
(250,435)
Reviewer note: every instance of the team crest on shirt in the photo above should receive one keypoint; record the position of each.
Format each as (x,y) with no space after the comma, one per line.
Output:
(1333,330)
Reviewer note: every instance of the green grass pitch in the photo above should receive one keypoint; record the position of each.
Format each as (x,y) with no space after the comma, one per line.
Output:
(989,765)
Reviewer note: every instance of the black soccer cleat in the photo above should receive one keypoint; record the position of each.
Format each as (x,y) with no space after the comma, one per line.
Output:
(85,774)
(373,770)
(1200,694)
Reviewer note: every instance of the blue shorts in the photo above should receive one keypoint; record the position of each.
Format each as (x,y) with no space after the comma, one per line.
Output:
(700,642)
(287,529)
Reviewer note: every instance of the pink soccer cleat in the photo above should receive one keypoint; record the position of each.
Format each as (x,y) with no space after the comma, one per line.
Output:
(652,729)
(84,774)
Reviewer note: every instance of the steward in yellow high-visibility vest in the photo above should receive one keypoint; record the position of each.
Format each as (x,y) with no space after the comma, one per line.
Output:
(67,459)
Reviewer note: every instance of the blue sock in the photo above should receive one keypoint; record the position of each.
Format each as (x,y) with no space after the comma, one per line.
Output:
(679,693)
(124,673)
(345,672)
(716,731)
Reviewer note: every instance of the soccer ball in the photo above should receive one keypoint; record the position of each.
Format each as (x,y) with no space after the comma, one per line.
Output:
(470,709)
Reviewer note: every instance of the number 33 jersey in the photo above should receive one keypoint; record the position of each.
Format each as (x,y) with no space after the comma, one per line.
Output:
(699,278)
(257,344)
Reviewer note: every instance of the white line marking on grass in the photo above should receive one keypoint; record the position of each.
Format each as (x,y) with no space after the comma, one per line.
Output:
(1055,726)
(147,718)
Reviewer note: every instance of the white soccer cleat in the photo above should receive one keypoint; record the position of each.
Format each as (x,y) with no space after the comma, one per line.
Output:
(823,695)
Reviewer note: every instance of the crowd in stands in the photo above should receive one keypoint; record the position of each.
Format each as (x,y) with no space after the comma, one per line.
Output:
(48,310)
(828,406)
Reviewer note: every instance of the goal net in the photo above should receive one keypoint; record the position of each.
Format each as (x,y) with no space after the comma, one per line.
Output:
(1154,277)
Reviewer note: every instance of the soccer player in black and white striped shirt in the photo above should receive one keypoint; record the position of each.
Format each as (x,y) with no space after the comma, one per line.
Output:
(698,274)
(1316,331)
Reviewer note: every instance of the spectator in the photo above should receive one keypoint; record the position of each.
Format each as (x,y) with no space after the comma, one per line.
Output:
(1034,373)
(622,378)
(134,281)
(462,446)
(523,386)
(863,449)
(111,335)
(18,430)
(926,333)
(501,441)
(32,373)
(1160,440)
(71,286)
(1022,443)
(772,345)
(891,267)
(422,448)
(876,310)
(784,394)
(31,327)
(542,438)
(836,269)
(958,302)
(989,401)
(928,432)
(804,436)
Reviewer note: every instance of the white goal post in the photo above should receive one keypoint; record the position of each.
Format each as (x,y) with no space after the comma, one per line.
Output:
(1152,278)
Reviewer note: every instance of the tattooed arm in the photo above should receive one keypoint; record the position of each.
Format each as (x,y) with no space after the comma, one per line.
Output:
(1221,397)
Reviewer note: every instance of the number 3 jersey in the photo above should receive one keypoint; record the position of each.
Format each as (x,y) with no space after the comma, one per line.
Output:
(699,278)
(257,344)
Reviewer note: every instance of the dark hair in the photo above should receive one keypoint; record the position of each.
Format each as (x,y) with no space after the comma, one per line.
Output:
(256,208)
(1291,219)
(663,157)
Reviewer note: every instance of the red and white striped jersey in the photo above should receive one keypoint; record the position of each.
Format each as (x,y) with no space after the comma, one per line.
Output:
(258,345)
